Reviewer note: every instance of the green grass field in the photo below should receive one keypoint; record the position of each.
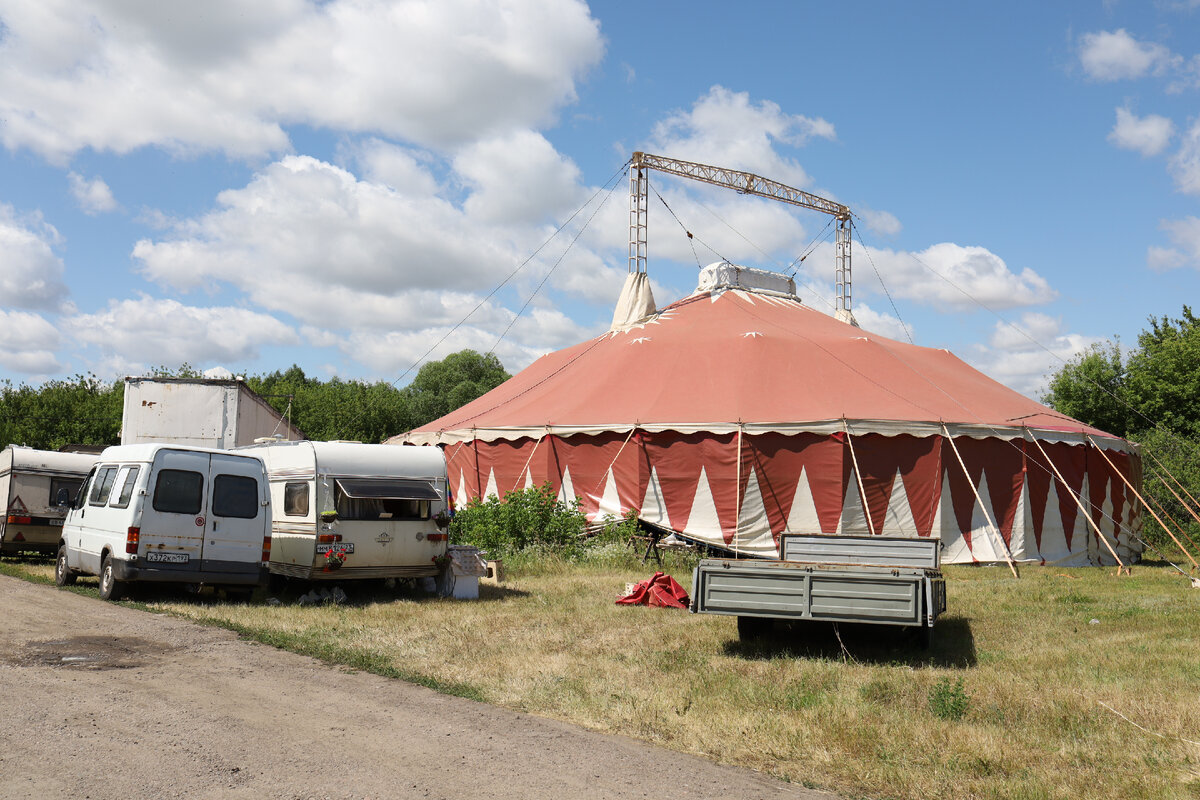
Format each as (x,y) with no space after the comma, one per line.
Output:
(1067,683)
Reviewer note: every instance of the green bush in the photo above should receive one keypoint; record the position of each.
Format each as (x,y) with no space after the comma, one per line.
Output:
(949,700)
(527,518)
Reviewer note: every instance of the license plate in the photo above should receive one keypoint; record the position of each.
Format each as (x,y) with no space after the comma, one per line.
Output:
(56,523)
(168,558)
(322,549)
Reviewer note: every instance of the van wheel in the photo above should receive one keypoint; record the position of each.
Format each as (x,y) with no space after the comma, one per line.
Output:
(110,587)
(63,576)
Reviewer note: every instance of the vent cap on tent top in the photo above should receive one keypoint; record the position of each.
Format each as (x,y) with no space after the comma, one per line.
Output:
(723,275)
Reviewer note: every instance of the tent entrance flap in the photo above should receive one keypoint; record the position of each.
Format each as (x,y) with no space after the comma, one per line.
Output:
(388,489)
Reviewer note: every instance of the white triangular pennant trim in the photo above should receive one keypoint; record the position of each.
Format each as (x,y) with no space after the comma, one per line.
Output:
(984,545)
(954,546)
(898,521)
(566,492)
(654,507)
(703,521)
(852,521)
(610,500)
(803,517)
(754,526)
(491,490)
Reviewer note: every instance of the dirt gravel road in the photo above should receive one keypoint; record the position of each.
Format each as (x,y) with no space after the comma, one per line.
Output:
(104,702)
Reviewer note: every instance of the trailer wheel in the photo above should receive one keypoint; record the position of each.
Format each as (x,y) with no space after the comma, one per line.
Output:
(63,576)
(751,628)
(110,587)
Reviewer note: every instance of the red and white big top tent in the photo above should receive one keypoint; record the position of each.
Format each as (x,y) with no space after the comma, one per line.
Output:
(738,413)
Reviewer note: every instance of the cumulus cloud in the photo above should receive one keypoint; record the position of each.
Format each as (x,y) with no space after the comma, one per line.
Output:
(1023,355)
(1148,135)
(1185,236)
(518,178)
(726,129)
(153,331)
(93,196)
(1117,55)
(882,222)
(1185,164)
(30,272)
(28,342)
(878,322)
(947,275)
(228,76)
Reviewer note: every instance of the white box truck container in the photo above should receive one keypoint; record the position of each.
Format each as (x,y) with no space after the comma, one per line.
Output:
(198,412)
(37,487)
(380,506)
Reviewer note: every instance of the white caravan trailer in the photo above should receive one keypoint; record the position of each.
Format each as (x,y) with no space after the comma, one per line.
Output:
(154,512)
(378,505)
(37,487)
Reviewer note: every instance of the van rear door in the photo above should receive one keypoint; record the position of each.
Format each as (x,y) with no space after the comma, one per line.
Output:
(174,518)
(237,514)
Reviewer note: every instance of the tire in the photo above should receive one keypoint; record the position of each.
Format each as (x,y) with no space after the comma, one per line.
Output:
(110,587)
(752,628)
(63,576)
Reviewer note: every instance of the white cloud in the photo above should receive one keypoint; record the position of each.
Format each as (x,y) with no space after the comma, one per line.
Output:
(1185,164)
(217,373)
(726,129)
(1116,55)
(882,222)
(1185,236)
(1023,355)
(947,275)
(518,178)
(166,332)
(878,322)
(1148,135)
(30,273)
(228,76)
(27,343)
(93,196)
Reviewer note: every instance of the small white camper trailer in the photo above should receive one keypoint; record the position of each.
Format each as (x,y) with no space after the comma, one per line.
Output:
(37,487)
(347,510)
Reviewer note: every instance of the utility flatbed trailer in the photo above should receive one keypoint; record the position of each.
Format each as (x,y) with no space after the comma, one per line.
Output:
(873,579)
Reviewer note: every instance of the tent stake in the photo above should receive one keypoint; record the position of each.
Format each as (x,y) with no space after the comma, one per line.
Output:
(986,514)
(1147,506)
(1121,567)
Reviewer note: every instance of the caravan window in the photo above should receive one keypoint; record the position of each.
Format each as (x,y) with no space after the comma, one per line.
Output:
(102,485)
(178,491)
(384,499)
(127,480)
(63,491)
(295,499)
(235,496)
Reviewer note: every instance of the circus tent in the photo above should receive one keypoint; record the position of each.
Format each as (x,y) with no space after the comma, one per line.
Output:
(739,413)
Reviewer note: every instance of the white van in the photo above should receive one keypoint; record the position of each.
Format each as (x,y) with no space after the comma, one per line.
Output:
(37,487)
(380,509)
(163,513)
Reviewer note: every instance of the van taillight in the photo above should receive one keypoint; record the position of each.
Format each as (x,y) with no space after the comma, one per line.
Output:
(14,520)
(329,538)
(131,539)
(266,553)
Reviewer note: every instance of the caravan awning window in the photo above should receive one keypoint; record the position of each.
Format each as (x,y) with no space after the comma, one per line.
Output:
(388,489)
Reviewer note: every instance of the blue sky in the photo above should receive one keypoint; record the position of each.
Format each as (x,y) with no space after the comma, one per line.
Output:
(338,184)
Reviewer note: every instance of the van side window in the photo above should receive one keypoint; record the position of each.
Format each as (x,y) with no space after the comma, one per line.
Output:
(235,496)
(295,499)
(178,491)
(82,494)
(126,482)
(63,491)
(102,485)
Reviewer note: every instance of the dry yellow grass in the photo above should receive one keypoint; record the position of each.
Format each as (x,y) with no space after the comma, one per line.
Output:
(1036,671)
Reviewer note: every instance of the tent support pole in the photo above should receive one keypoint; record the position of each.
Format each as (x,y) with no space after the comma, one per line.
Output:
(1182,488)
(604,474)
(1168,516)
(737,495)
(1148,507)
(528,461)
(986,514)
(862,490)
(1121,566)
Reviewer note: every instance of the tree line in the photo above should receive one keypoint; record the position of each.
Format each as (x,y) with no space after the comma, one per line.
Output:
(87,410)
(1149,394)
